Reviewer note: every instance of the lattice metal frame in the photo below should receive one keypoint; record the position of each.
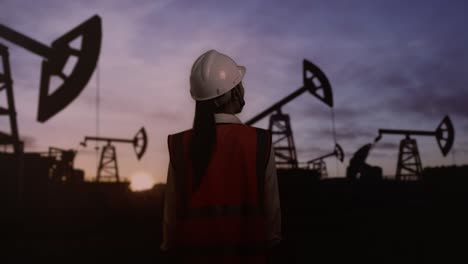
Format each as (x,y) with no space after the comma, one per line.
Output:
(108,169)
(283,140)
(6,84)
(409,167)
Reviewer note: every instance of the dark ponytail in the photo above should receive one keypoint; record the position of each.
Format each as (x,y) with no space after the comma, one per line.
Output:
(203,140)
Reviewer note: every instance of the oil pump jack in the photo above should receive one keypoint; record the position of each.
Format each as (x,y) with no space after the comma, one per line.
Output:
(409,165)
(319,164)
(55,59)
(108,169)
(52,100)
(318,85)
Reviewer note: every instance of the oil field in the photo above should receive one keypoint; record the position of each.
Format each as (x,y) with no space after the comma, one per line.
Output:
(54,211)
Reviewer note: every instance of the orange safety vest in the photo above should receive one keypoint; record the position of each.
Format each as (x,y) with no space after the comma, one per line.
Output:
(223,221)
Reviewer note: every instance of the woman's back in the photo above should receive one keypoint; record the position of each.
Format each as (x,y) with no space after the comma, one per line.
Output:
(224,215)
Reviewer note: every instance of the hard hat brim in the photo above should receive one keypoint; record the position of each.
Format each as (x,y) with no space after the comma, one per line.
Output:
(242,71)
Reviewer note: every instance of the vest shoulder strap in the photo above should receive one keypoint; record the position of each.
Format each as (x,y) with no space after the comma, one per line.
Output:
(176,156)
(262,156)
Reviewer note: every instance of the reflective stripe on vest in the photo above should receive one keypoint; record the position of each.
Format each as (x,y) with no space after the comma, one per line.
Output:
(225,215)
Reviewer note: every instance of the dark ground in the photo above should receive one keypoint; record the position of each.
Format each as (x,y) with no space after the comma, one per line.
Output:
(328,221)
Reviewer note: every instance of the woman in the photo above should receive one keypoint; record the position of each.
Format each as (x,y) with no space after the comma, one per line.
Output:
(222,202)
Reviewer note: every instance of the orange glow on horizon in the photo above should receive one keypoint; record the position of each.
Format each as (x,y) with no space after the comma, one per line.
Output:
(141,181)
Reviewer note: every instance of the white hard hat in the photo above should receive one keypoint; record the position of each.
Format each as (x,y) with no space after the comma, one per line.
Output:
(214,74)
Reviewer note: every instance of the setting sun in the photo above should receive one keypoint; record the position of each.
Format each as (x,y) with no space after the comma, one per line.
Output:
(141,181)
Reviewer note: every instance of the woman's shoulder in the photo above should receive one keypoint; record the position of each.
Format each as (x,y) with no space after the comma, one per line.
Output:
(180,133)
(241,129)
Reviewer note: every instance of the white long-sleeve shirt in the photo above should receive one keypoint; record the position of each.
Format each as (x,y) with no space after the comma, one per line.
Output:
(271,199)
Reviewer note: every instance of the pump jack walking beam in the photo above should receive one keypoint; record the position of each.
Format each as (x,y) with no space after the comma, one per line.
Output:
(338,153)
(444,134)
(314,81)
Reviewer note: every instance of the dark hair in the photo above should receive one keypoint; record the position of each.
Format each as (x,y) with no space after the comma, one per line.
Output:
(203,140)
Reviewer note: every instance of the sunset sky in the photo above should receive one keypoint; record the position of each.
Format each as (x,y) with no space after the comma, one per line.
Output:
(391,64)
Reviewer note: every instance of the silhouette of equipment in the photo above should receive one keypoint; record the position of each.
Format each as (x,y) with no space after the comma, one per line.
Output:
(319,164)
(6,84)
(318,85)
(108,168)
(359,169)
(56,57)
(409,165)
(62,169)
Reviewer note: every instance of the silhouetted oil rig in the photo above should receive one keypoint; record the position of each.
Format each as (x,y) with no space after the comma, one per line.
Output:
(409,165)
(29,174)
(108,169)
